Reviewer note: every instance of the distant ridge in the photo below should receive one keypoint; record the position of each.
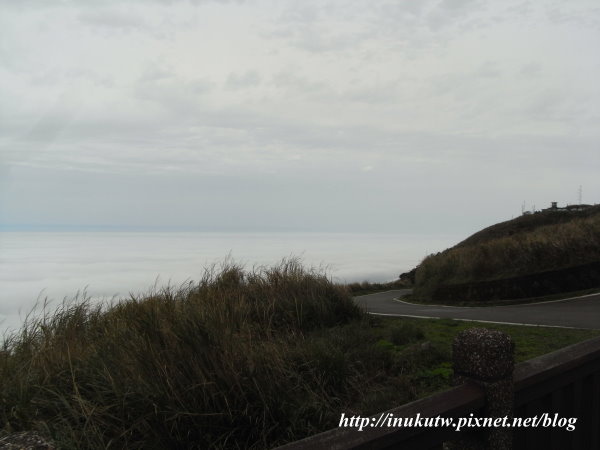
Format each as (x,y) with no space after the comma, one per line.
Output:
(526,223)
(545,253)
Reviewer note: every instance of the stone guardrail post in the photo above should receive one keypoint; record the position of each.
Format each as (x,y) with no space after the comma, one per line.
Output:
(486,357)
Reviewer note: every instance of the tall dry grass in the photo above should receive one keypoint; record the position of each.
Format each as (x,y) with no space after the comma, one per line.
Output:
(230,362)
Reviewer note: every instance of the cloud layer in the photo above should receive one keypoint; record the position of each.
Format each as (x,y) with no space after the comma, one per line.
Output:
(311,115)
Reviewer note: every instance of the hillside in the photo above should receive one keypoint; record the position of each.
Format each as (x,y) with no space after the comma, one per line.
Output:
(533,255)
(242,359)
(527,223)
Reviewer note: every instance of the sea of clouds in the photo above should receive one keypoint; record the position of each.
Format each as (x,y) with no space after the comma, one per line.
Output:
(36,266)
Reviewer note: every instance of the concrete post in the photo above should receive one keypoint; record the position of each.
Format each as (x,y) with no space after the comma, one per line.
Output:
(486,358)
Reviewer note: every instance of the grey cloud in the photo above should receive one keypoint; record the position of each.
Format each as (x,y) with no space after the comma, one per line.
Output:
(488,69)
(301,197)
(243,80)
(87,75)
(205,139)
(356,101)
(194,136)
(153,19)
(398,17)
(199,2)
(521,9)
(323,41)
(302,13)
(156,72)
(280,201)
(311,12)
(519,12)
(423,25)
(458,5)
(180,96)
(550,105)
(454,13)
(315,38)
(306,26)
(530,70)
(377,94)
(47,129)
(23,4)
(300,83)
(573,13)
(46,77)
(112,18)
(403,9)
(449,84)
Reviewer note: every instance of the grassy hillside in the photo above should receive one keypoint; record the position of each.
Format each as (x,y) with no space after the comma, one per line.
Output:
(518,250)
(240,360)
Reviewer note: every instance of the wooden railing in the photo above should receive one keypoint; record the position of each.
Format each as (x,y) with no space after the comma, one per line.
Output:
(565,382)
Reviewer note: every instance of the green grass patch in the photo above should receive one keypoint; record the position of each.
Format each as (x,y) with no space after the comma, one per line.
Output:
(529,341)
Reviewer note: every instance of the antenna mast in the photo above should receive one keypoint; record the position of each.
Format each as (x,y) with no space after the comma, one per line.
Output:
(580,192)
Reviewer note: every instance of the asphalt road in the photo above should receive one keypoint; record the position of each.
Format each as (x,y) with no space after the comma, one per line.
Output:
(577,312)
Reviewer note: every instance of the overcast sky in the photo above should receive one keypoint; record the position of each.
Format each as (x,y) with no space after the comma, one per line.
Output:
(349,115)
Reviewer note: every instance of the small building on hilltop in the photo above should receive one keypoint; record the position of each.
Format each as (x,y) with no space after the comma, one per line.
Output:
(555,208)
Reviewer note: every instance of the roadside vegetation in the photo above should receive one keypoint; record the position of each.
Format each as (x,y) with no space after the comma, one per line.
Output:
(365,287)
(242,359)
(514,249)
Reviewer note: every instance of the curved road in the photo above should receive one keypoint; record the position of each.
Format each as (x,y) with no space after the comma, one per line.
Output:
(577,312)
